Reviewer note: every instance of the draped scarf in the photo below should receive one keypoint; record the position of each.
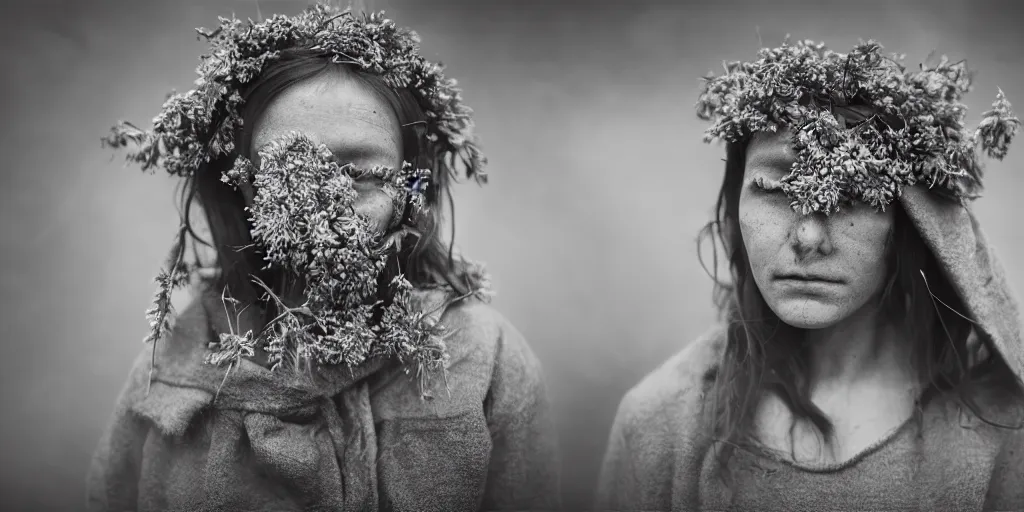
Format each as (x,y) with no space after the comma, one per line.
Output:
(308,437)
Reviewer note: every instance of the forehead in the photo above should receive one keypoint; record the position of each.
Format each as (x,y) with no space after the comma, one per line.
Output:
(769,150)
(338,110)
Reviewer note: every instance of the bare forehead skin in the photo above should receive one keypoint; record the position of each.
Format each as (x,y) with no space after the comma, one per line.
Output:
(771,151)
(338,110)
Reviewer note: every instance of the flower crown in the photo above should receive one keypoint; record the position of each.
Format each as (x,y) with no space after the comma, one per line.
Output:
(201,124)
(864,127)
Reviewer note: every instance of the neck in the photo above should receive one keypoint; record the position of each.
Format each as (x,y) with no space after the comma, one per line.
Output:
(862,347)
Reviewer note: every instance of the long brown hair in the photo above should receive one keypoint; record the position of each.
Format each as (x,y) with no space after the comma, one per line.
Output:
(425,260)
(763,354)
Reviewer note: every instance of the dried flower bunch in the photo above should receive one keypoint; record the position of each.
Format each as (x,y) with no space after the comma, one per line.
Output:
(303,219)
(864,126)
(302,211)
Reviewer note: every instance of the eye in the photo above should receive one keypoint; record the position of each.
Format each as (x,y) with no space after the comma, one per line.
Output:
(766,185)
(359,174)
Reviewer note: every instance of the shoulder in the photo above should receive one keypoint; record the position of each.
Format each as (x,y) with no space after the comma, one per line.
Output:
(657,429)
(479,332)
(488,360)
(1004,490)
(190,330)
(674,392)
(1003,408)
(168,407)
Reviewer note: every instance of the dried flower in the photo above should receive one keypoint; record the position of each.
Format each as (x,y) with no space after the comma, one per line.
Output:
(997,128)
(231,348)
(303,218)
(864,127)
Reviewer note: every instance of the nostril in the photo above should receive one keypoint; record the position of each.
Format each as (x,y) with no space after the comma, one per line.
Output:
(810,235)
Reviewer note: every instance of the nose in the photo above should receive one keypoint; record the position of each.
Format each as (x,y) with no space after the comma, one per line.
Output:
(810,236)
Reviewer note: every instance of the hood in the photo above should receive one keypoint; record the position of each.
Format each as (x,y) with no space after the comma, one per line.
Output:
(951,230)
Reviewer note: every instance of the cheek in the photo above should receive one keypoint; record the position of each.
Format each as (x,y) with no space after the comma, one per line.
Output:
(377,207)
(763,229)
(864,240)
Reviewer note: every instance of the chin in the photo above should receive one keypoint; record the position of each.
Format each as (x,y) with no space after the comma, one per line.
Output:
(808,313)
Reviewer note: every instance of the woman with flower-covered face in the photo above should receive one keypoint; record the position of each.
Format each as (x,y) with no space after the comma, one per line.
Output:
(871,357)
(337,355)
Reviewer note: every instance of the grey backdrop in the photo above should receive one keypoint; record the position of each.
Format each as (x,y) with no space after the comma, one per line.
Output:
(599,185)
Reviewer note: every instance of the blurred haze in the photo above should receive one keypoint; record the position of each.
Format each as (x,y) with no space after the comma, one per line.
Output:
(599,184)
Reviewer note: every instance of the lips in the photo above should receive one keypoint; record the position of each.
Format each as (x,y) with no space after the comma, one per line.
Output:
(806,277)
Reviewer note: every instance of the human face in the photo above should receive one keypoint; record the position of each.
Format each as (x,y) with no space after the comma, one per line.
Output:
(352,120)
(814,271)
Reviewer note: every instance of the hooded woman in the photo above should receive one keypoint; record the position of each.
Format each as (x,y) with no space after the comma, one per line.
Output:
(338,355)
(871,354)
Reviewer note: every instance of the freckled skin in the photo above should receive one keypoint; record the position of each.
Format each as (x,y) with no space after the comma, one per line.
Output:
(849,245)
(350,118)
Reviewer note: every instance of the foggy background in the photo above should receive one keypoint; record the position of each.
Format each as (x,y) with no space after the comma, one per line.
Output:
(599,184)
